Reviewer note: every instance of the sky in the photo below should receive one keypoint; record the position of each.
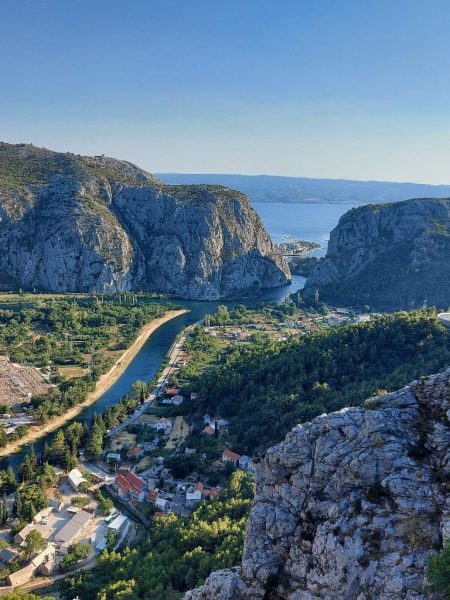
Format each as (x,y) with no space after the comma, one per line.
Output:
(355,89)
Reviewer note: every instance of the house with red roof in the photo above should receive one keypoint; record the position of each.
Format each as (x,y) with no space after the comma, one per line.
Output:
(135,453)
(172,391)
(208,430)
(230,456)
(129,485)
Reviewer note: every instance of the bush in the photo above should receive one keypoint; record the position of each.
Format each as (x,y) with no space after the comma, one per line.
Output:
(438,572)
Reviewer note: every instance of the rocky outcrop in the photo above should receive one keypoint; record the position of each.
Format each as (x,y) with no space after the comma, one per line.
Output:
(351,505)
(387,256)
(94,224)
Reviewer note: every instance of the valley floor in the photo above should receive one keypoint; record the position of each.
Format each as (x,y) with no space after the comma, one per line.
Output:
(103,384)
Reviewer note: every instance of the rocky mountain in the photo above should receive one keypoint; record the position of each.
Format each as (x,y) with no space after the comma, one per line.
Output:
(305,190)
(351,505)
(73,223)
(393,256)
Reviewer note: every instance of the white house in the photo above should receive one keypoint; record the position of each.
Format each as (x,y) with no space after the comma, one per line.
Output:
(76,478)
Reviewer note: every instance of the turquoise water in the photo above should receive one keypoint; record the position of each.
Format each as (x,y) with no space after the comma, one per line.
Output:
(309,222)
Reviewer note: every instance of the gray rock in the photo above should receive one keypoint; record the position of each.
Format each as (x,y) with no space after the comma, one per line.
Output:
(94,224)
(387,256)
(343,509)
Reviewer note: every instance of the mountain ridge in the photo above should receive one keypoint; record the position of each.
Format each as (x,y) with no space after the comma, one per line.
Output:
(307,190)
(74,223)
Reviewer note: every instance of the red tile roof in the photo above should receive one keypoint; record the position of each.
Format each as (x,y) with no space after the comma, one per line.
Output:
(209,430)
(172,391)
(123,483)
(231,455)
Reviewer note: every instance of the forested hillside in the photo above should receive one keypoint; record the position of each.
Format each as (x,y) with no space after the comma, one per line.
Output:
(177,554)
(267,388)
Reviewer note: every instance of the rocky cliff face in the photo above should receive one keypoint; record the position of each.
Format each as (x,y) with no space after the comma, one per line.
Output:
(76,224)
(388,256)
(351,505)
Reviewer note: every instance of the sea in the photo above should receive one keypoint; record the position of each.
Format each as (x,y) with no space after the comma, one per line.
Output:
(310,222)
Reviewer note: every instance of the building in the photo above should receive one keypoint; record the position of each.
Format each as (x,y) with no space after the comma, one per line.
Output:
(8,555)
(229,456)
(44,529)
(120,525)
(72,529)
(194,395)
(172,391)
(208,430)
(43,562)
(128,484)
(194,494)
(76,479)
(113,457)
(162,504)
(135,453)
(177,400)
(246,464)
(164,424)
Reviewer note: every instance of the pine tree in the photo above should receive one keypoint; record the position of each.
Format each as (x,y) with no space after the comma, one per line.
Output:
(4,510)
(18,505)
(11,481)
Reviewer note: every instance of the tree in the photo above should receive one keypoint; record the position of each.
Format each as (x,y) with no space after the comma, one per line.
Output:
(94,444)
(438,572)
(4,510)
(18,506)
(11,481)
(34,542)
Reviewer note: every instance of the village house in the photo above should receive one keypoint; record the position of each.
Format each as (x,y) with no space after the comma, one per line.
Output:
(172,391)
(120,525)
(177,400)
(208,430)
(43,563)
(128,484)
(162,504)
(246,464)
(135,453)
(67,534)
(194,494)
(194,395)
(230,456)
(76,478)
(164,424)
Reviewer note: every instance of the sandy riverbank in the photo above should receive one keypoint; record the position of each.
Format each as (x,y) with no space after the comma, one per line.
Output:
(103,384)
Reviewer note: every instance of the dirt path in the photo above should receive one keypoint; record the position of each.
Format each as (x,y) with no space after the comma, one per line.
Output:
(103,384)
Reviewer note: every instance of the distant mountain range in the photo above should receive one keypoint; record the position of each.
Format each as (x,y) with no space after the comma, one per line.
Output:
(269,188)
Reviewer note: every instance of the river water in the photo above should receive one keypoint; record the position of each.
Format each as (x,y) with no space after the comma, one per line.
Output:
(308,222)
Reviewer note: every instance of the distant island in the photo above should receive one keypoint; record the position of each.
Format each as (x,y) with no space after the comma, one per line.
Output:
(305,190)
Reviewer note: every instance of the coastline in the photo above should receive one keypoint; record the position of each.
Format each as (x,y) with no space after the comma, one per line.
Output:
(103,384)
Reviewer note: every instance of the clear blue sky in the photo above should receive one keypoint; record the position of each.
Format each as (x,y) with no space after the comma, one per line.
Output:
(320,88)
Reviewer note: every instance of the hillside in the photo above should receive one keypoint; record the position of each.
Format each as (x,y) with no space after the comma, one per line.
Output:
(350,506)
(265,389)
(73,223)
(305,190)
(393,256)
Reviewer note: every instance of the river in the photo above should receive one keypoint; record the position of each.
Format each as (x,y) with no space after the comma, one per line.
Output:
(309,222)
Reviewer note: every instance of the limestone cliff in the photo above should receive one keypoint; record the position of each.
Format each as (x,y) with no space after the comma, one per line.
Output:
(351,505)
(72,223)
(392,256)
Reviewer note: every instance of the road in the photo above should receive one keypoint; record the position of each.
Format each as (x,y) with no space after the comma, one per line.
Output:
(173,357)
